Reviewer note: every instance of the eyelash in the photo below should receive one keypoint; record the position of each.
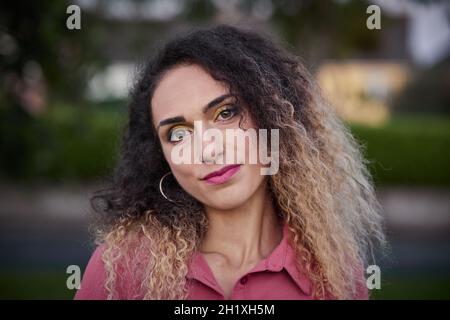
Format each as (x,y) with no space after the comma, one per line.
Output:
(233,108)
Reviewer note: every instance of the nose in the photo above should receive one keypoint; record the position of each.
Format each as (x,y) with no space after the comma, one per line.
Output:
(208,160)
(212,146)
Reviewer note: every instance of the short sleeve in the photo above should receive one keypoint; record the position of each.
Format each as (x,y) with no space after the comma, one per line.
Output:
(362,292)
(94,277)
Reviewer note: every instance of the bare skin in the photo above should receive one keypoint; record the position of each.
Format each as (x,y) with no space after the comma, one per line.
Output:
(236,242)
(243,226)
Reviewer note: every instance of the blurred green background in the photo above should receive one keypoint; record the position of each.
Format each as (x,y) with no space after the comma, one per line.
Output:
(63,105)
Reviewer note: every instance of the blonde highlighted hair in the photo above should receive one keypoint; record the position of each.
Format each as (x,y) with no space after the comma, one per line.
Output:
(323,189)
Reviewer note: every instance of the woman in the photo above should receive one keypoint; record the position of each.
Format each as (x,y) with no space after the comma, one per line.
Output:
(214,230)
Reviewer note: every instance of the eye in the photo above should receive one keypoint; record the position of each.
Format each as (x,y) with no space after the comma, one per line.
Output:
(225,113)
(177,134)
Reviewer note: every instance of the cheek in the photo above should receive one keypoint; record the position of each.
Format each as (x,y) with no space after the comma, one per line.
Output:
(183,173)
(180,171)
(255,178)
(185,176)
(246,151)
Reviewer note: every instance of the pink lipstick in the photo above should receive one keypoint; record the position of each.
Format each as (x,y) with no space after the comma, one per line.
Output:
(222,175)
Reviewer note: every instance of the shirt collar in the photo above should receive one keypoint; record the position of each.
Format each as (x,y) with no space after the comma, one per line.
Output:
(282,257)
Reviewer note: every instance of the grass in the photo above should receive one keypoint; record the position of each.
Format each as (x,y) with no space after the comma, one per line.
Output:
(34,285)
(418,287)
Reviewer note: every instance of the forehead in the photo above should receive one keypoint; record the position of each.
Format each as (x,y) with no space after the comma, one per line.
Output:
(183,91)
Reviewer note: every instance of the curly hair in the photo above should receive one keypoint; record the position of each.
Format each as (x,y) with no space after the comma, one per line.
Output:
(323,189)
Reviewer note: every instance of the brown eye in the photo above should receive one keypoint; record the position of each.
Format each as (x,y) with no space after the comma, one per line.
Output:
(225,113)
(179,133)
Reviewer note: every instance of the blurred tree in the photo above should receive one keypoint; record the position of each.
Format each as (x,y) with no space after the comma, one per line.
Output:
(428,92)
(36,42)
(324,29)
(39,59)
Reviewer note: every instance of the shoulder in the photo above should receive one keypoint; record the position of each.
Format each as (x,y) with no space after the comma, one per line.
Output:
(128,263)
(361,290)
(94,278)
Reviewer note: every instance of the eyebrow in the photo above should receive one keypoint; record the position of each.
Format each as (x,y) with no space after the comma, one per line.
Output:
(210,105)
(170,121)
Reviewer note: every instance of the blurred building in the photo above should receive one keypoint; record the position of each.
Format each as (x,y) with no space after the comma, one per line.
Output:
(362,90)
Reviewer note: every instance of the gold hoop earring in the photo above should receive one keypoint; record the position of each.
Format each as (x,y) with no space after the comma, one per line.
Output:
(160,187)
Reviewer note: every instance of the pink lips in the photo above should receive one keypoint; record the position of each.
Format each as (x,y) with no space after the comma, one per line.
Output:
(222,175)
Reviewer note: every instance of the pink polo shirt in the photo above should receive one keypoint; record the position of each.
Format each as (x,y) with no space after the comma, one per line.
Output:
(275,277)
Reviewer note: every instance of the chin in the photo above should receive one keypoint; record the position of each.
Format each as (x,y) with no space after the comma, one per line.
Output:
(225,205)
(227,199)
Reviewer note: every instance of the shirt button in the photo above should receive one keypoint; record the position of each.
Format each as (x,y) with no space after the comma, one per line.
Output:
(244,280)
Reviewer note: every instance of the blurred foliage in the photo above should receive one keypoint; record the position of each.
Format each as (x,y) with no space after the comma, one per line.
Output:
(65,143)
(35,31)
(324,29)
(35,285)
(40,61)
(428,92)
(413,287)
(78,141)
(198,11)
(81,143)
(408,150)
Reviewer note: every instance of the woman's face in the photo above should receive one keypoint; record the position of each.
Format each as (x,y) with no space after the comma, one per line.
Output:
(186,94)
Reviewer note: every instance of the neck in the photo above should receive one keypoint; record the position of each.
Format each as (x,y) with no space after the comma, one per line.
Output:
(246,234)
